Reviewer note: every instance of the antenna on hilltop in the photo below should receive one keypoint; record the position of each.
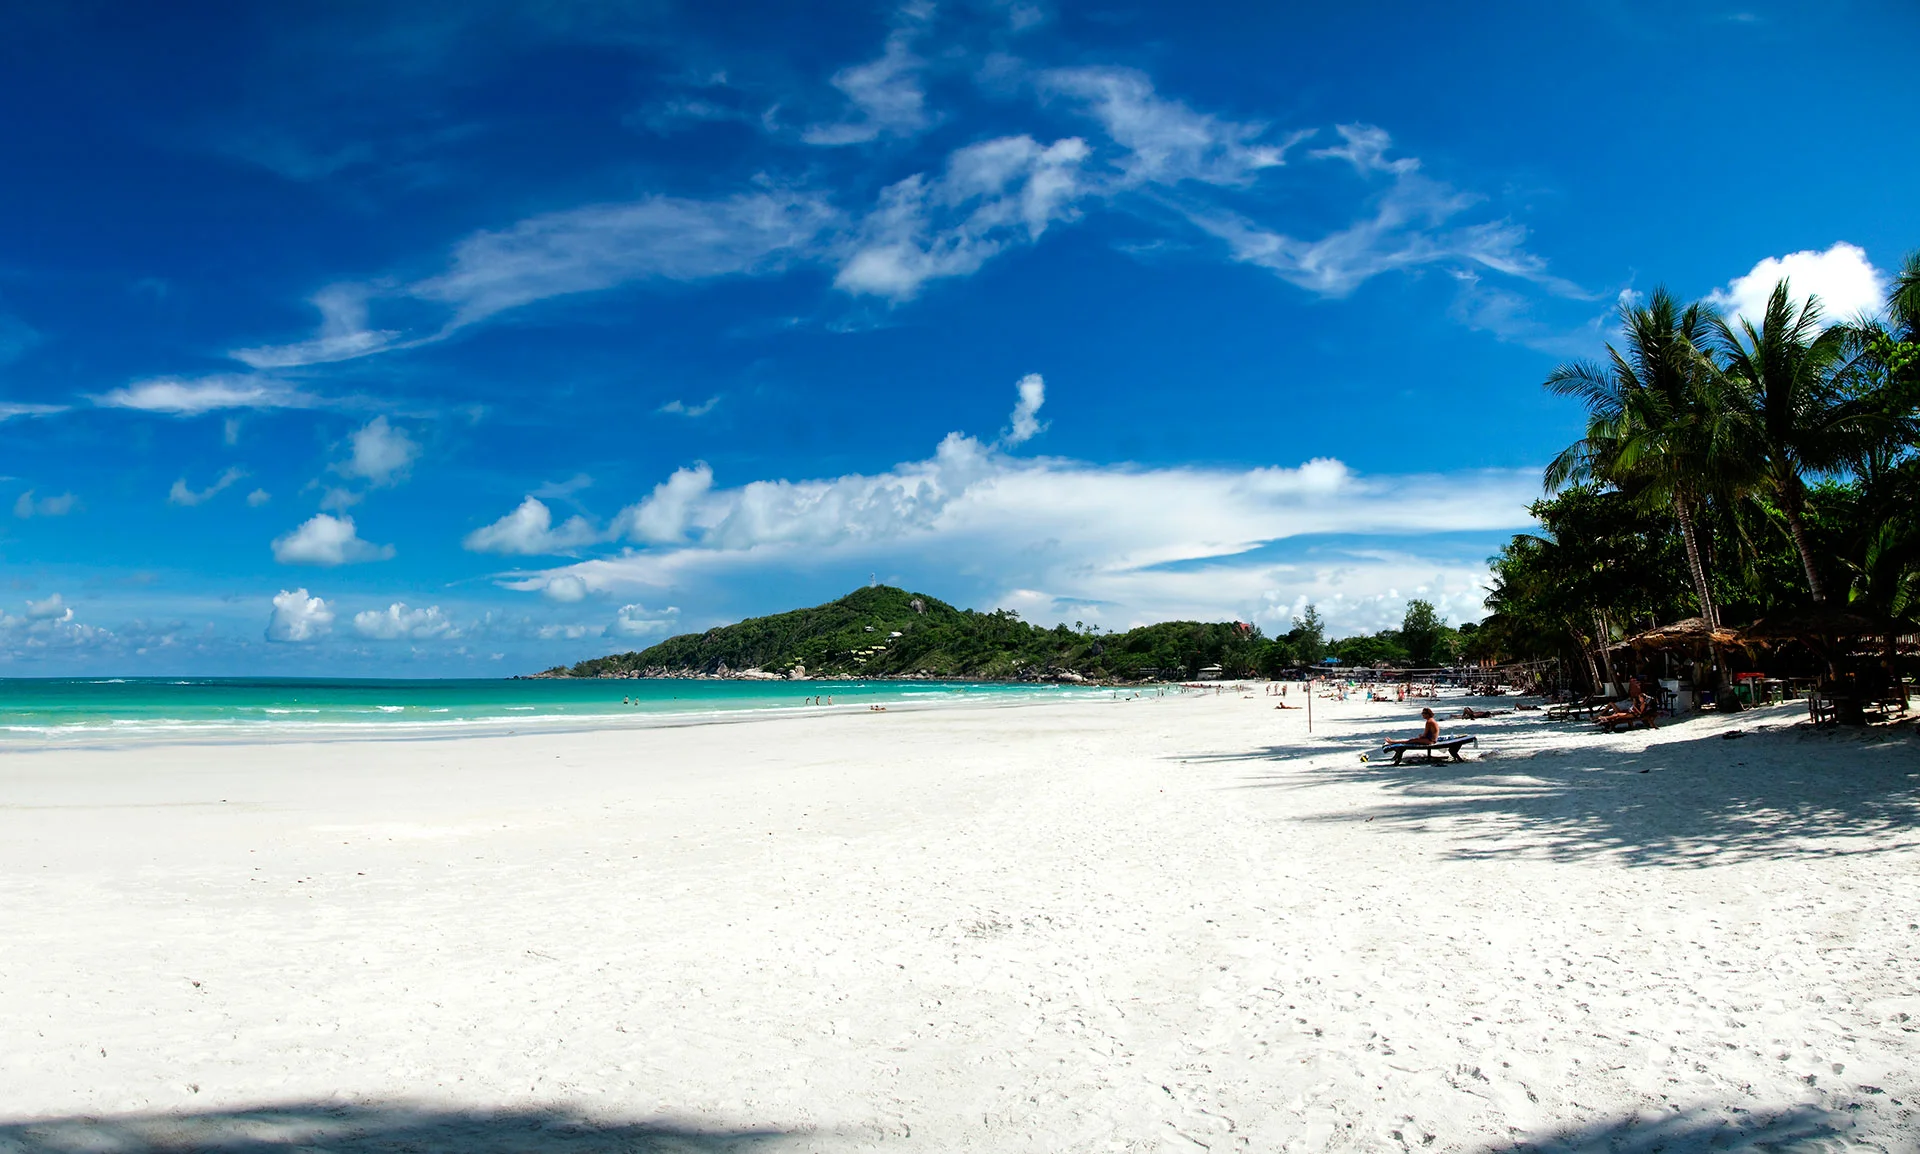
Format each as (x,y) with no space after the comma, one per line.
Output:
(873,579)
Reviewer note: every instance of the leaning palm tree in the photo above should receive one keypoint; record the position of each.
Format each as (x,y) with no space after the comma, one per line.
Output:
(1794,418)
(1658,422)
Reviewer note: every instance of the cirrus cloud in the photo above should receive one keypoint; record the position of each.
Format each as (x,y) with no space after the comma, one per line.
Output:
(192,396)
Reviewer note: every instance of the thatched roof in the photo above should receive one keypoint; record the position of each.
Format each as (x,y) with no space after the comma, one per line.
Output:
(1688,633)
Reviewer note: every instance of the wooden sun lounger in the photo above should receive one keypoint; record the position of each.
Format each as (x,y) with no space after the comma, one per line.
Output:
(1642,718)
(1451,745)
(1566,709)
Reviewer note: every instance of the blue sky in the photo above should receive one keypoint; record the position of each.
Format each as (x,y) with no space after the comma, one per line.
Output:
(471,338)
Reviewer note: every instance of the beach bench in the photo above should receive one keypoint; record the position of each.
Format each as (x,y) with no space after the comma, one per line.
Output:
(1642,718)
(1451,745)
(1563,710)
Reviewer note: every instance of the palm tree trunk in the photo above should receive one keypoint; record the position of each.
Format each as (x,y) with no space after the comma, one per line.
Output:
(1791,503)
(1602,636)
(1708,611)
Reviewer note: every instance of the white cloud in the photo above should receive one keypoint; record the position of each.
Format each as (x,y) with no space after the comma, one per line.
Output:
(181,495)
(1167,142)
(51,609)
(529,531)
(1145,543)
(562,490)
(1365,147)
(681,408)
(1025,423)
(638,621)
(397,622)
(343,333)
(993,194)
(48,625)
(1409,228)
(381,455)
(665,516)
(1842,277)
(564,588)
(188,397)
(258,498)
(298,617)
(11,409)
(327,540)
(26,506)
(603,245)
(564,632)
(885,93)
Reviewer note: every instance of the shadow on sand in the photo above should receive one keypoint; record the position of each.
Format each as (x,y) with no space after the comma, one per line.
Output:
(1804,1128)
(1689,798)
(360,1129)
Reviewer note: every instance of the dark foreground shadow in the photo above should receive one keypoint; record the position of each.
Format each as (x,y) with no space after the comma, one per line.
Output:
(1685,800)
(1799,1129)
(359,1129)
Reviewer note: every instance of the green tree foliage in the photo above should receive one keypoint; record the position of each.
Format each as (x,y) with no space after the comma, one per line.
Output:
(882,631)
(1731,469)
(1660,424)
(1372,650)
(1308,636)
(1421,631)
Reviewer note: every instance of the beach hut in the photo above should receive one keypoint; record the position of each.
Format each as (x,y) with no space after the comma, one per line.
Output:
(1695,642)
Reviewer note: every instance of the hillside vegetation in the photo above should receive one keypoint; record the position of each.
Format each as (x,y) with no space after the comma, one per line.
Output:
(882,631)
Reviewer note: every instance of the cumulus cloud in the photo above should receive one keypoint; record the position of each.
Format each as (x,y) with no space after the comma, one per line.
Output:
(885,95)
(638,621)
(28,506)
(529,531)
(180,494)
(397,622)
(665,516)
(189,397)
(381,453)
(51,609)
(600,246)
(48,625)
(564,588)
(1146,543)
(258,498)
(327,540)
(298,618)
(1025,422)
(343,334)
(1842,277)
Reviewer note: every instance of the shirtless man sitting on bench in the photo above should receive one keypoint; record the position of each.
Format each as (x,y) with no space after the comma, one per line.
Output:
(1637,708)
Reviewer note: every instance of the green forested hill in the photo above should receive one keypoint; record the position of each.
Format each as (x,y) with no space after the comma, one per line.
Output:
(856,636)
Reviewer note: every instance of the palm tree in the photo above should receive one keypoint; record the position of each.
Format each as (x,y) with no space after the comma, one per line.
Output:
(1794,419)
(1658,421)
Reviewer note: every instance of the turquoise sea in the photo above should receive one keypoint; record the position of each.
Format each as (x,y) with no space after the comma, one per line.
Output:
(36,710)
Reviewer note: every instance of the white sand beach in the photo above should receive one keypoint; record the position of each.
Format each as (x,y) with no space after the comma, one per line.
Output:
(1175,924)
